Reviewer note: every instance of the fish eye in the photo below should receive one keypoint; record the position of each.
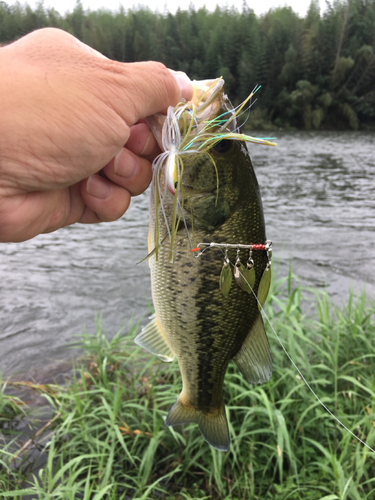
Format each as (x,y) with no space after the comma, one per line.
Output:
(223,146)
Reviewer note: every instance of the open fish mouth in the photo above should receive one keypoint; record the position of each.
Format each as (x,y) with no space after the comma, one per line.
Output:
(191,129)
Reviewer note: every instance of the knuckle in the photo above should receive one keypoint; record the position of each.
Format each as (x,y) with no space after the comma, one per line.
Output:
(165,79)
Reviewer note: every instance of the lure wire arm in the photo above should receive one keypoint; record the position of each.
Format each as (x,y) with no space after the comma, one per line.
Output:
(267,246)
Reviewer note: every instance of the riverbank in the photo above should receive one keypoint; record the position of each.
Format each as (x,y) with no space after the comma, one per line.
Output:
(102,433)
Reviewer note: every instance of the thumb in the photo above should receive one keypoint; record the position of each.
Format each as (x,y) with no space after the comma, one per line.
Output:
(145,88)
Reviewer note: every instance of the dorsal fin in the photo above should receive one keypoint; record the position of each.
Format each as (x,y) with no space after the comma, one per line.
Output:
(152,338)
(254,358)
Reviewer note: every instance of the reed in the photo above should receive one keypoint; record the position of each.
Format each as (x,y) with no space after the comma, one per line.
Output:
(109,440)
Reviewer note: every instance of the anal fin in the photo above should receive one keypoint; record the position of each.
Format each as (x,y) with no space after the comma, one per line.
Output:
(152,339)
(212,424)
(254,358)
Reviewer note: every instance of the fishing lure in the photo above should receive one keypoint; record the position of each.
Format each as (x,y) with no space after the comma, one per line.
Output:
(189,130)
(244,275)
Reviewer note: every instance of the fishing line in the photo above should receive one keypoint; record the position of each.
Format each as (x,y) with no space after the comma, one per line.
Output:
(299,371)
(203,250)
(197,141)
(311,389)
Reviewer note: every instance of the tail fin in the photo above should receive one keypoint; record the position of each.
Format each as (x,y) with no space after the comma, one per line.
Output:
(213,424)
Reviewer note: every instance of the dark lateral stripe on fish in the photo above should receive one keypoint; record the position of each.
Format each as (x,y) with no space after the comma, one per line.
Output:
(205,296)
(209,348)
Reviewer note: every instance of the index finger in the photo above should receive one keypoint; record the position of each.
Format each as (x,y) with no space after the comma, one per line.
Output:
(142,141)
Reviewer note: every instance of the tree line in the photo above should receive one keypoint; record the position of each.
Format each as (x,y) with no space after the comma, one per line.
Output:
(316,72)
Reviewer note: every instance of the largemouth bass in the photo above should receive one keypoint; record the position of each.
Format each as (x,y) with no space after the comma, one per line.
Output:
(206,225)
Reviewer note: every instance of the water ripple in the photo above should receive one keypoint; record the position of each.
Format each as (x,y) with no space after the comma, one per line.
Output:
(318,193)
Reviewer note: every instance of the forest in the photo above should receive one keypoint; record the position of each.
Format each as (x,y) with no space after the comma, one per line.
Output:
(316,72)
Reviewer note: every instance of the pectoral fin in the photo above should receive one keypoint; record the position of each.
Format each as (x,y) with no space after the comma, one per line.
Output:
(254,358)
(152,338)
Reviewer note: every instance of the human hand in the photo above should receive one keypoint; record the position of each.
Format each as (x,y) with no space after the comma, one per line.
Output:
(66,113)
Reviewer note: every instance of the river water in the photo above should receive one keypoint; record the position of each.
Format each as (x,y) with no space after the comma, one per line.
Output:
(318,193)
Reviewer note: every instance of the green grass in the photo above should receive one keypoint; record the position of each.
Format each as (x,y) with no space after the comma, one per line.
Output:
(109,439)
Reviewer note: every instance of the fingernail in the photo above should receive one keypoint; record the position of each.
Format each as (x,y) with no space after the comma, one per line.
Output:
(98,187)
(125,164)
(185,84)
(144,149)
